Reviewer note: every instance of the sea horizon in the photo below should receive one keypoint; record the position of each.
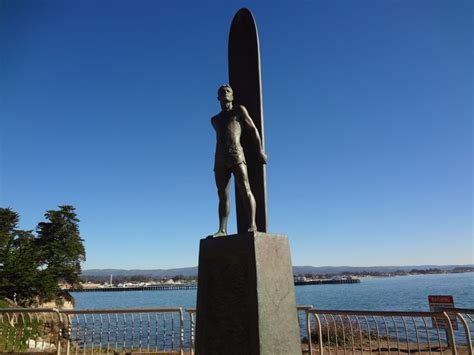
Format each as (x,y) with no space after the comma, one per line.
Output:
(408,293)
(297,269)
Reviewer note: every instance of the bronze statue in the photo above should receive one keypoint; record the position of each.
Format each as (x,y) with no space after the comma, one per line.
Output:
(230,157)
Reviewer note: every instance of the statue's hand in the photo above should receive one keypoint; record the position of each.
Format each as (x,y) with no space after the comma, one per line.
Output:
(262,157)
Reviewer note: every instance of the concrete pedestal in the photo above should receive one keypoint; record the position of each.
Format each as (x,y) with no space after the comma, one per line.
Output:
(246,299)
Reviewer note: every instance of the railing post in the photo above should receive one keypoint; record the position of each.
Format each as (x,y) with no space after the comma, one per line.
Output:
(466,332)
(450,333)
(181,331)
(68,343)
(308,331)
(60,334)
(193,333)
(320,334)
(191,312)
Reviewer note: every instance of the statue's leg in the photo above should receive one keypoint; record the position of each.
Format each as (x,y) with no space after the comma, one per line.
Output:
(222,175)
(243,185)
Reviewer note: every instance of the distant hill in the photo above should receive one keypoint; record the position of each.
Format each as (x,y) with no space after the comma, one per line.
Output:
(185,271)
(324,270)
(320,270)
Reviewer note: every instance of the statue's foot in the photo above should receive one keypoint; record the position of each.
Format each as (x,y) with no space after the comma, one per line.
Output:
(253,228)
(219,234)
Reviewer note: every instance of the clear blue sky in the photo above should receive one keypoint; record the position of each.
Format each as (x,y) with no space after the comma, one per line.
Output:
(106,105)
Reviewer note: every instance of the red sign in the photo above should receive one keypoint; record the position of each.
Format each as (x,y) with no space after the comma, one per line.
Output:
(441,299)
(438,304)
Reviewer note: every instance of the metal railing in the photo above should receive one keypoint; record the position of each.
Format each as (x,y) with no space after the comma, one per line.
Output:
(92,331)
(172,331)
(366,332)
(27,330)
(130,330)
(192,329)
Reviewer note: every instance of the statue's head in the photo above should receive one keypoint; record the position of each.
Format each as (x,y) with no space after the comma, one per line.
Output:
(225,93)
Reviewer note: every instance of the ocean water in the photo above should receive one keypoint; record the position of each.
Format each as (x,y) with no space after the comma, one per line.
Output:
(400,293)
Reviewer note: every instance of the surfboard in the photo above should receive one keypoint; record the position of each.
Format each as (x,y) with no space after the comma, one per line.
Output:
(245,80)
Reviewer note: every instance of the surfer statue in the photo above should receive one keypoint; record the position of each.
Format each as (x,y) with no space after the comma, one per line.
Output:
(230,157)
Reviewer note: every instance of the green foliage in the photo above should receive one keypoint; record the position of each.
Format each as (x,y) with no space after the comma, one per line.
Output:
(33,266)
(21,276)
(60,246)
(8,230)
(15,337)
(8,225)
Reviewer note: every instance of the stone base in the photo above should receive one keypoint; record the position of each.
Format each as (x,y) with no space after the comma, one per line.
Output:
(246,297)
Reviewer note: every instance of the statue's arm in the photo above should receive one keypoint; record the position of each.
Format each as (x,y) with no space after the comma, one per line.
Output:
(250,126)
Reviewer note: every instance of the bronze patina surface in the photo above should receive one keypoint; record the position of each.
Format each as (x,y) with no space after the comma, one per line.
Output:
(230,158)
(245,79)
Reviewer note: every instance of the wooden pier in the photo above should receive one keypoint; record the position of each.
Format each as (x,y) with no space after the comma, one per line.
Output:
(327,282)
(194,286)
(138,288)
